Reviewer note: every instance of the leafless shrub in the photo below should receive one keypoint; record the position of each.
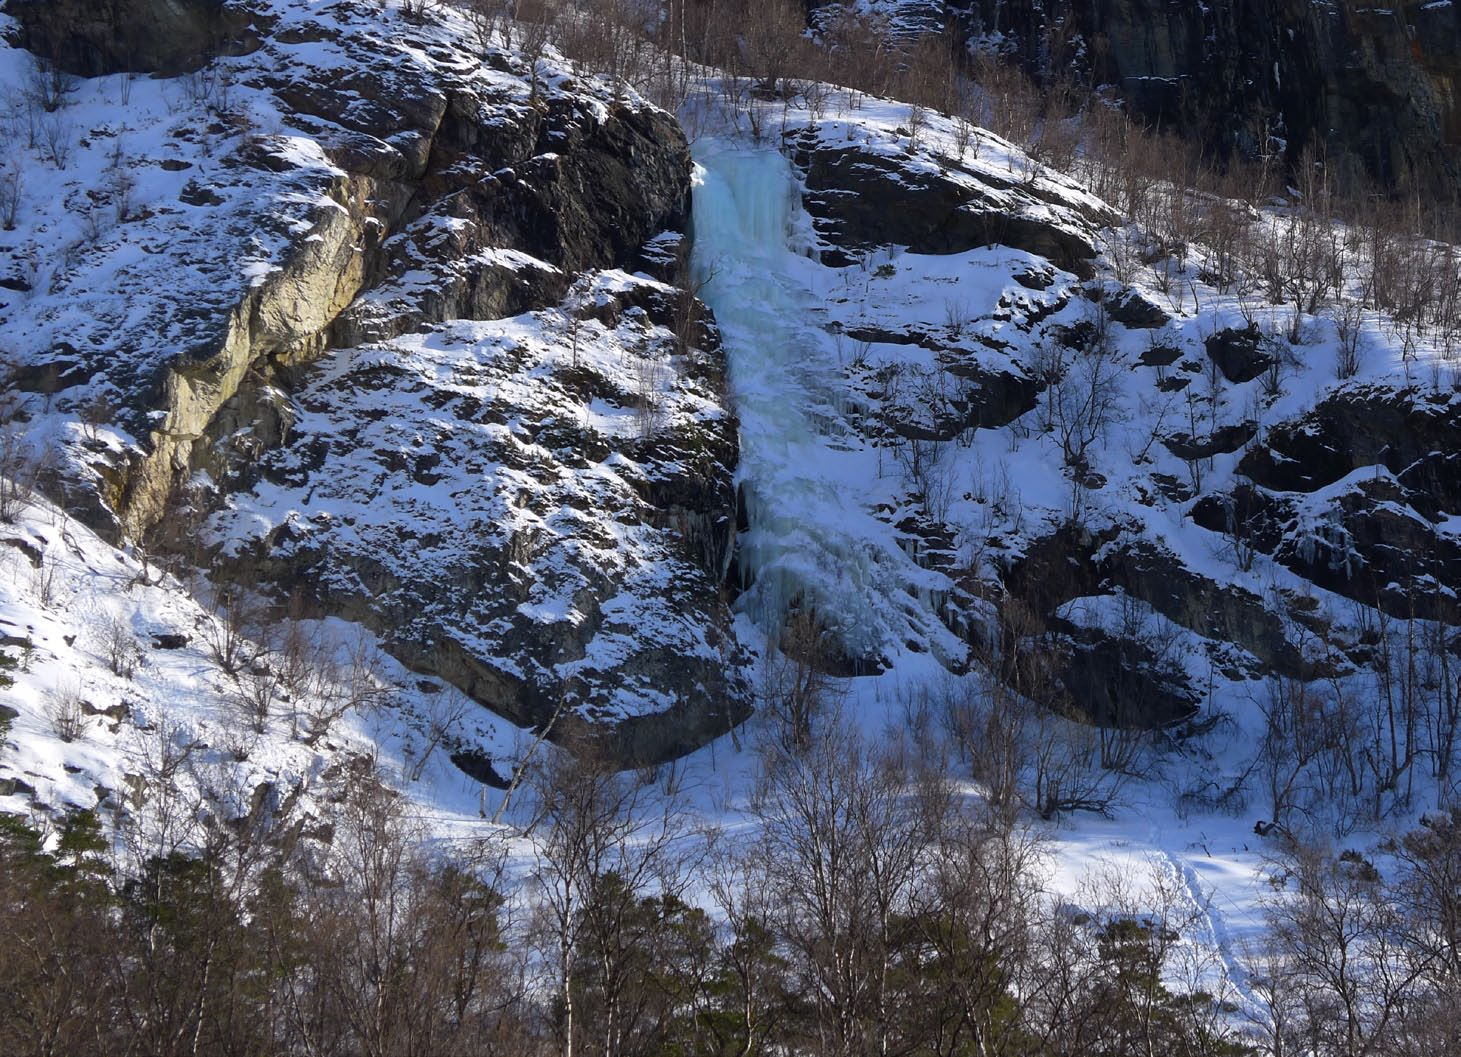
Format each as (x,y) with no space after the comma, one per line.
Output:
(57,139)
(65,713)
(300,655)
(1082,394)
(444,715)
(92,224)
(1338,943)
(1348,327)
(228,630)
(11,188)
(956,317)
(536,25)
(649,376)
(963,136)
(47,86)
(917,119)
(773,43)
(795,687)
(94,414)
(1010,101)
(17,466)
(210,86)
(256,691)
(122,185)
(486,17)
(119,646)
(43,580)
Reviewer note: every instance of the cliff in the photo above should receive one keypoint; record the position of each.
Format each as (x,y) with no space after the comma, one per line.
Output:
(1370,88)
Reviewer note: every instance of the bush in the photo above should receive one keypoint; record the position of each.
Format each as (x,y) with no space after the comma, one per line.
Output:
(66,714)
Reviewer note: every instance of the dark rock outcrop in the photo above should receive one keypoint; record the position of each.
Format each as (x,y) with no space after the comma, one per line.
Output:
(1411,433)
(137,36)
(1242,355)
(1120,681)
(865,199)
(1221,441)
(1365,541)
(1069,564)
(1131,309)
(1371,88)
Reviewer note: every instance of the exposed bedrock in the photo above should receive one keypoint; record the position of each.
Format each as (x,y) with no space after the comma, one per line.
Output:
(866,196)
(141,36)
(542,562)
(427,167)
(1372,87)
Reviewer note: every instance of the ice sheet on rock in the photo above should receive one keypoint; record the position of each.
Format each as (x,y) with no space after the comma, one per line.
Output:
(812,539)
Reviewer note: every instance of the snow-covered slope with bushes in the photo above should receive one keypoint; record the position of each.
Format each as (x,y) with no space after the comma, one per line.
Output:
(127,690)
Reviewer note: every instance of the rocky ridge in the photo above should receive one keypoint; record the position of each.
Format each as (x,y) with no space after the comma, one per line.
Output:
(316,179)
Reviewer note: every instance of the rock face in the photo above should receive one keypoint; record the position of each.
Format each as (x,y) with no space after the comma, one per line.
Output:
(140,36)
(469,159)
(873,194)
(1409,432)
(1371,87)
(545,529)
(1357,495)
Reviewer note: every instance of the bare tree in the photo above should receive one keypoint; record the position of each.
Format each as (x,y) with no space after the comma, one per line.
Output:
(842,834)
(1341,942)
(12,186)
(604,842)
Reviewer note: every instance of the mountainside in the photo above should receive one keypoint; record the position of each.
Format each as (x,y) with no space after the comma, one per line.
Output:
(340,183)
(1369,89)
(341,314)
(411,432)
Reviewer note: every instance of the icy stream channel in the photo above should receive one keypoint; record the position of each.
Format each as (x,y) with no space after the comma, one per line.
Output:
(808,481)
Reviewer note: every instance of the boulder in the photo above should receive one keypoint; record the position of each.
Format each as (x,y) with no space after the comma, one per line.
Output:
(1241,354)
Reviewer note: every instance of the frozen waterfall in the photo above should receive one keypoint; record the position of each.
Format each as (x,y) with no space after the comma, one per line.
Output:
(805,475)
